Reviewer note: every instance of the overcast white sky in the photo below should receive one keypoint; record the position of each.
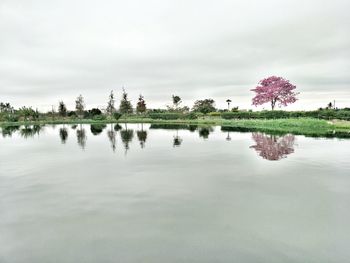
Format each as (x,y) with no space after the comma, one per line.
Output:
(58,49)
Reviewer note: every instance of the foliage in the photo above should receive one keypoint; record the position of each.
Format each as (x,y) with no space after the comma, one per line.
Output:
(125,104)
(80,105)
(274,90)
(319,114)
(141,105)
(28,113)
(204,106)
(173,116)
(62,109)
(72,114)
(116,115)
(99,118)
(6,107)
(176,100)
(110,105)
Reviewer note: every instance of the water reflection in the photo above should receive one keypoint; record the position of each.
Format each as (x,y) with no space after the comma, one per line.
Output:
(30,130)
(126,135)
(63,135)
(7,131)
(273,147)
(111,134)
(269,147)
(205,131)
(117,127)
(142,136)
(81,137)
(177,141)
(96,129)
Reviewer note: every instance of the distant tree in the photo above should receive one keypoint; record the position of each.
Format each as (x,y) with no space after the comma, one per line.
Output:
(110,106)
(204,106)
(228,101)
(274,90)
(141,105)
(6,107)
(80,105)
(94,112)
(176,101)
(62,109)
(125,105)
(330,106)
(28,113)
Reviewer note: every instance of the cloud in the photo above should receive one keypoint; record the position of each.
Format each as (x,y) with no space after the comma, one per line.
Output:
(59,49)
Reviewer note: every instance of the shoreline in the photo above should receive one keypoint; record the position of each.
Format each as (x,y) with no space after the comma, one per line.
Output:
(302,126)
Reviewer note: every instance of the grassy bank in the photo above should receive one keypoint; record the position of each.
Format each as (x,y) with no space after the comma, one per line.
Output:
(298,126)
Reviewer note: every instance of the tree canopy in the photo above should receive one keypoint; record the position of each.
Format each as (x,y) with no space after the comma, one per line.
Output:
(274,90)
(204,106)
(80,105)
(125,104)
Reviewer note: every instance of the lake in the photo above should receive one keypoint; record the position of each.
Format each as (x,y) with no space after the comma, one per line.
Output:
(168,193)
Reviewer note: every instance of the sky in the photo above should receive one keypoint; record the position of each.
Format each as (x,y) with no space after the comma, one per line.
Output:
(197,49)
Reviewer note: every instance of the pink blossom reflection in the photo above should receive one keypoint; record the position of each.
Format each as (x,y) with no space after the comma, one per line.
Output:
(272,147)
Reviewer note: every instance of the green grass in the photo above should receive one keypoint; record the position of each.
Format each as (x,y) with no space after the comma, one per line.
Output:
(300,126)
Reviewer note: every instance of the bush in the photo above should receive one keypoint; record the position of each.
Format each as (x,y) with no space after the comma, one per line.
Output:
(215,114)
(319,114)
(99,117)
(117,115)
(72,114)
(173,116)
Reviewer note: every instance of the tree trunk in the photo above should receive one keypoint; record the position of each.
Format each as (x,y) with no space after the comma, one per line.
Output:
(273,104)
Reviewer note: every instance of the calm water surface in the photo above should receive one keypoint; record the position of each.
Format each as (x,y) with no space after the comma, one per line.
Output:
(155,193)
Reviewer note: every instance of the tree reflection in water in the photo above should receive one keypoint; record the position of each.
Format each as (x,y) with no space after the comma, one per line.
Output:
(30,130)
(111,134)
(205,131)
(63,135)
(142,136)
(7,131)
(96,129)
(81,137)
(272,147)
(126,136)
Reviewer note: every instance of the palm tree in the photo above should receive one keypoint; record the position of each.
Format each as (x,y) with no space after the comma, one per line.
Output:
(228,103)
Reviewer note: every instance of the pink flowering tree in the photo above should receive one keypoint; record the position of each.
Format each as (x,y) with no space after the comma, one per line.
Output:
(274,90)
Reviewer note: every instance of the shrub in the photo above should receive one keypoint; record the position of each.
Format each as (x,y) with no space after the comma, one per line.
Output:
(173,116)
(99,117)
(319,114)
(117,115)
(215,114)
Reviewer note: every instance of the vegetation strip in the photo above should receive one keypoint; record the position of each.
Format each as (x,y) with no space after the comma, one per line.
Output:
(301,126)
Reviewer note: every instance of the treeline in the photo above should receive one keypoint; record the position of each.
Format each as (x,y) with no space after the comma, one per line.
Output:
(200,109)
(110,112)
